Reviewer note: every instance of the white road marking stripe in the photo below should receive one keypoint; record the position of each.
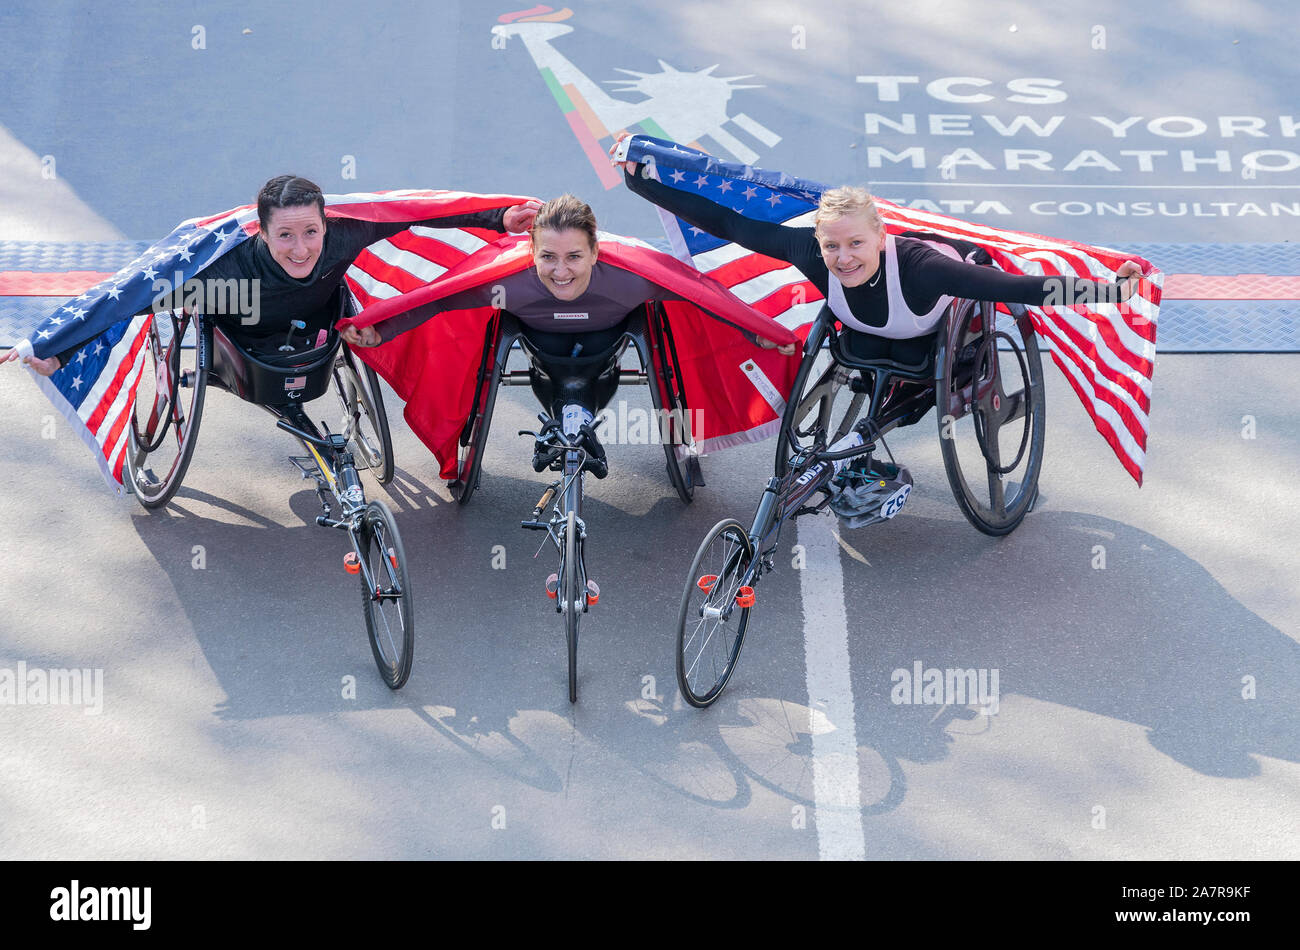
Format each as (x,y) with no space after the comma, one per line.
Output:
(756,129)
(837,803)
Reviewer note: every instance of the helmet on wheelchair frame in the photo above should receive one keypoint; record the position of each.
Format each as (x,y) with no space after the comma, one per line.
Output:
(869,492)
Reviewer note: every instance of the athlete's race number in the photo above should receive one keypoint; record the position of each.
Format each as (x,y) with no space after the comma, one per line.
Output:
(895,502)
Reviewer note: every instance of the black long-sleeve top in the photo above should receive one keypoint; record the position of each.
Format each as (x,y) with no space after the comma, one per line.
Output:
(310,299)
(925,274)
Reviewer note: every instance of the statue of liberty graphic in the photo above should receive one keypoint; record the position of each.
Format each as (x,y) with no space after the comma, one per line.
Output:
(682,106)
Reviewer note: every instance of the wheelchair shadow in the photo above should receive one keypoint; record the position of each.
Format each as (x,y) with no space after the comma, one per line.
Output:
(281,626)
(1213,684)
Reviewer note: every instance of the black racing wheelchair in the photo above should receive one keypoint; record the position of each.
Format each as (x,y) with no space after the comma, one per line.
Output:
(185,354)
(986,385)
(573,389)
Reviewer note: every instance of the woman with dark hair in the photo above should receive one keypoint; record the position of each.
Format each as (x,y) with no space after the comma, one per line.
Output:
(299,261)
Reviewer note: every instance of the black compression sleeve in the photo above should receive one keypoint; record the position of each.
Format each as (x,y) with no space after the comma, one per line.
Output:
(931,274)
(492,219)
(795,245)
(410,319)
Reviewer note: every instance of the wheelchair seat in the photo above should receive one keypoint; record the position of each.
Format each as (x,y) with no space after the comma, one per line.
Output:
(918,371)
(272,379)
(588,379)
(275,378)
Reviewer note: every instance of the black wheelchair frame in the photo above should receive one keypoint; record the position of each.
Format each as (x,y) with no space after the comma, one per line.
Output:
(280,384)
(962,377)
(589,381)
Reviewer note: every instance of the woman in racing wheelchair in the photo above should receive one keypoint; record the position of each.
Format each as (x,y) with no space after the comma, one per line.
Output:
(299,263)
(889,294)
(570,303)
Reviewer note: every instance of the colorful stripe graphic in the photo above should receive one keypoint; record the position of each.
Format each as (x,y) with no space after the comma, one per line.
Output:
(590,132)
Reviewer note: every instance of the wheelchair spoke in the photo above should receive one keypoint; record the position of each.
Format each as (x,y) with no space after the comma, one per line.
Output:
(1013,407)
(850,417)
(387,607)
(1005,432)
(711,623)
(997,495)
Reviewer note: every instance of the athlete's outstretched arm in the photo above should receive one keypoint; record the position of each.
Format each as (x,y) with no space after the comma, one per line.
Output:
(974,282)
(384,331)
(358,234)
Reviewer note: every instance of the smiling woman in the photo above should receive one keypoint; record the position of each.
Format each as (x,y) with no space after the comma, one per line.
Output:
(888,291)
(291,212)
(291,274)
(565,247)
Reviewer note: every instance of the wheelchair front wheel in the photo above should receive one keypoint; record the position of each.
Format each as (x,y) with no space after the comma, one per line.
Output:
(164,423)
(714,613)
(573,598)
(386,595)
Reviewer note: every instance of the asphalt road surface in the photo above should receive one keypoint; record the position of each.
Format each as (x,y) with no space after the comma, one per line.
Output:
(1144,640)
(226,631)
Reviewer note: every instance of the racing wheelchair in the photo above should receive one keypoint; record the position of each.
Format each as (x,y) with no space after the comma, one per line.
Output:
(987,389)
(573,389)
(187,353)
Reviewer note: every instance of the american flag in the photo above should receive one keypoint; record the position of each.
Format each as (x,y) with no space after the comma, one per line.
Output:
(733,386)
(96,391)
(1106,352)
(410,260)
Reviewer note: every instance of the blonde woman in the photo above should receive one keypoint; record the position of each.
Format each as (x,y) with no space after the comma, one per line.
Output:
(889,292)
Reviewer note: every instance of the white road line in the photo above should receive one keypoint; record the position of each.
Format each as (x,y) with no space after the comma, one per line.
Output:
(837,804)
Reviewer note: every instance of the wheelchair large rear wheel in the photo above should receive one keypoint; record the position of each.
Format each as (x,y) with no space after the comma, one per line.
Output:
(365,422)
(473,438)
(822,399)
(673,418)
(168,407)
(992,413)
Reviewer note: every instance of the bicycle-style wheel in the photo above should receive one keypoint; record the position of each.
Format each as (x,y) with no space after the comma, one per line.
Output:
(386,596)
(572,599)
(168,407)
(714,613)
(365,422)
(992,416)
(822,398)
